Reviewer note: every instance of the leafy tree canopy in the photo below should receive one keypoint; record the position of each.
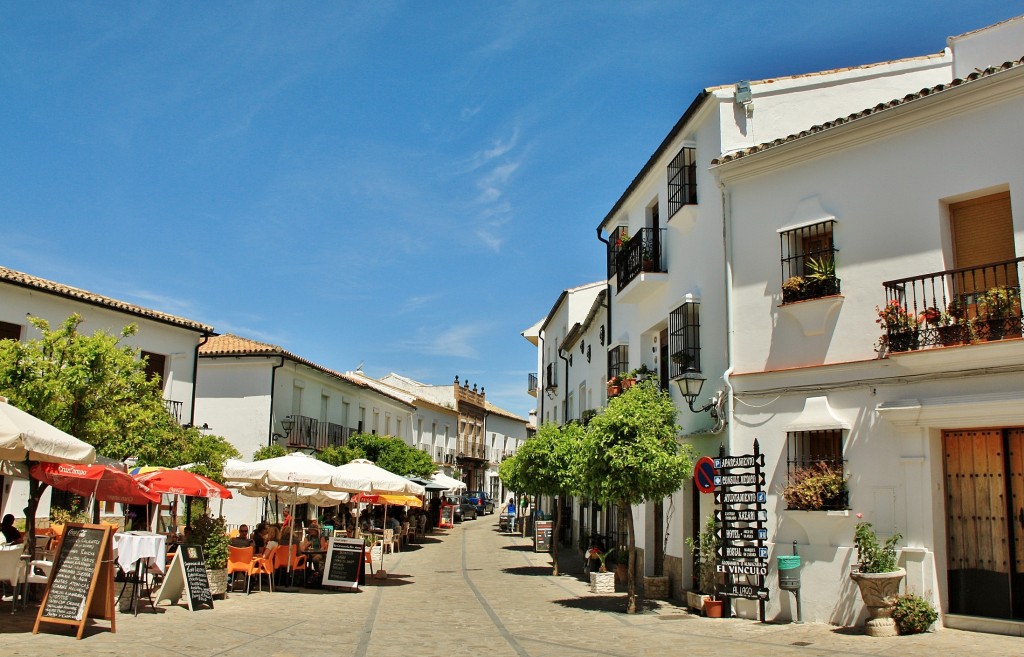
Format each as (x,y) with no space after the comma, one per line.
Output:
(545,464)
(630,453)
(339,455)
(393,454)
(269,452)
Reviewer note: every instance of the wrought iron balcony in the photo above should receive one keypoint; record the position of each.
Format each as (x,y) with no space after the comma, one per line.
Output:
(953,307)
(310,433)
(174,408)
(531,384)
(643,253)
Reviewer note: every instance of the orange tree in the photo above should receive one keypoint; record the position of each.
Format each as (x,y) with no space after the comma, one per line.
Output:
(629,455)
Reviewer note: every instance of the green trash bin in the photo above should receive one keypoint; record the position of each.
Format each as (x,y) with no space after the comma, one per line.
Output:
(789,572)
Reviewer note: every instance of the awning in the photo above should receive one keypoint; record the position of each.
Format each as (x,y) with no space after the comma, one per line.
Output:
(816,416)
(389,499)
(429,484)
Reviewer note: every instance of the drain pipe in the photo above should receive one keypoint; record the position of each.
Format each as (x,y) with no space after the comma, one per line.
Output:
(270,422)
(565,392)
(195,377)
(541,379)
(607,295)
(729,315)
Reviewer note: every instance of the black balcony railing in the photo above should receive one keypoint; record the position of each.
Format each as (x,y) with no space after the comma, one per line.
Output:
(953,307)
(642,253)
(531,383)
(174,408)
(310,433)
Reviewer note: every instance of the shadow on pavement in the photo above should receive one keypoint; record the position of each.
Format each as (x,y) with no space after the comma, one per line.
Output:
(531,571)
(610,603)
(518,548)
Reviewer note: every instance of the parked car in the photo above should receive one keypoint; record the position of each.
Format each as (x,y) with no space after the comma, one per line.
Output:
(465,509)
(483,502)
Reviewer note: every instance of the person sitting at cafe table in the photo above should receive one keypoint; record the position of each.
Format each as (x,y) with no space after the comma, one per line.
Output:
(259,538)
(242,540)
(10,532)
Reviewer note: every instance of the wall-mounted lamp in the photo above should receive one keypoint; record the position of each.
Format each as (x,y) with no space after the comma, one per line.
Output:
(690,385)
(552,390)
(287,423)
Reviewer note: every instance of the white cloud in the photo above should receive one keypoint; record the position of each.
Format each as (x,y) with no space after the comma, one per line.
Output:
(454,341)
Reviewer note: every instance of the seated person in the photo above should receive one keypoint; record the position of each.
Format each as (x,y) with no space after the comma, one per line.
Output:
(395,524)
(242,540)
(259,538)
(10,532)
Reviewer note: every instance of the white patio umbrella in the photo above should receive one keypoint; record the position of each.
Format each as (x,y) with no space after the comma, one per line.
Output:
(295,471)
(26,437)
(453,484)
(382,482)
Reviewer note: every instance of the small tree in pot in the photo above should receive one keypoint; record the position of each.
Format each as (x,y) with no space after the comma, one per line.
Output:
(878,576)
(211,534)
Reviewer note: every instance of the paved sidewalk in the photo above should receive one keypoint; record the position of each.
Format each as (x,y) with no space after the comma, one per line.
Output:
(467,591)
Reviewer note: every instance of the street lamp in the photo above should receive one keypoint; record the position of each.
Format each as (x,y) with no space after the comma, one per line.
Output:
(690,385)
(552,390)
(287,423)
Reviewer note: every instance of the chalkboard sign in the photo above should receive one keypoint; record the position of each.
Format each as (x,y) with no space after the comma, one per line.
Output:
(542,536)
(81,582)
(187,575)
(344,565)
(447,516)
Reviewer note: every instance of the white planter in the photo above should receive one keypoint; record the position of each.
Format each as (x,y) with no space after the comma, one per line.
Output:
(602,582)
(695,601)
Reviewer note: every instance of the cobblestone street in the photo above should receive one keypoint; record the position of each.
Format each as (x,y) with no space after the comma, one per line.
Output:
(467,591)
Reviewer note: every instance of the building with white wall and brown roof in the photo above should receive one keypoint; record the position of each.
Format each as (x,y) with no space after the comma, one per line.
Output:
(255,394)
(917,205)
(168,342)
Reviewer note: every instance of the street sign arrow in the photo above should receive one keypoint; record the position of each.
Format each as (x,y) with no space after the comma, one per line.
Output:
(745,591)
(741,461)
(745,534)
(742,552)
(745,479)
(745,497)
(741,568)
(741,515)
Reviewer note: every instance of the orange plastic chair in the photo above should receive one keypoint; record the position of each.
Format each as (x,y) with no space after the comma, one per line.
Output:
(298,560)
(239,561)
(260,566)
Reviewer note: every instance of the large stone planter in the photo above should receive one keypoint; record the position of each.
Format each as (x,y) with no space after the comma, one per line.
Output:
(879,591)
(218,580)
(602,582)
(656,588)
(695,601)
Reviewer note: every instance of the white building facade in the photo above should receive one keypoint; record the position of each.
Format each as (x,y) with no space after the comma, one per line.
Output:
(168,343)
(917,202)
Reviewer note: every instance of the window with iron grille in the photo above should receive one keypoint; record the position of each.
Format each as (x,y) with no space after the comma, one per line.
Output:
(682,180)
(618,361)
(619,236)
(684,339)
(816,477)
(808,262)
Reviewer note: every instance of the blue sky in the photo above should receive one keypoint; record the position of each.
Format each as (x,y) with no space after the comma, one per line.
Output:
(403,184)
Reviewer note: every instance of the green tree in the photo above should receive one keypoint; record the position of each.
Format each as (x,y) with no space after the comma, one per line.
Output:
(340,455)
(207,453)
(630,456)
(269,452)
(393,454)
(93,387)
(545,465)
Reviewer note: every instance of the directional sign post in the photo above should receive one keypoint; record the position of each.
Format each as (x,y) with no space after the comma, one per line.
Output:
(738,484)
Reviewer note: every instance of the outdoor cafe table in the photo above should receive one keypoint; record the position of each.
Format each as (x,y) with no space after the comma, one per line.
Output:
(137,552)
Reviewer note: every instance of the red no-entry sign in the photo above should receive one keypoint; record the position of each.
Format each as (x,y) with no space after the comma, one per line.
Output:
(704,474)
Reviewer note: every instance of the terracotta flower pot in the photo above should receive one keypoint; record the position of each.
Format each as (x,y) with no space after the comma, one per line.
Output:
(879,591)
(713,608)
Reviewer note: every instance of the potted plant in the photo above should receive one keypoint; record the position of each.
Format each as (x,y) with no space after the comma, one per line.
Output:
(683,359)
(705,551)
(821,278)
(913,614)
(642,373)
(614,386)
(878,577)
(601,581)
(793,289)
(996,306)
(816,487)
(211,534)
(900,326)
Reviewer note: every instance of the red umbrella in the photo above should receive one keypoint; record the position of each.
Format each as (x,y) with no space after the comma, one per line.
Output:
(183,482)
(106,483)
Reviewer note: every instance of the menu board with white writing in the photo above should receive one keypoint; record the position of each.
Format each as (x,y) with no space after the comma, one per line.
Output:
(344,562)
(81,570)
(195,577)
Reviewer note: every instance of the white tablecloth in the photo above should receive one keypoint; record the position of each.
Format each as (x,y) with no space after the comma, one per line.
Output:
(132,546)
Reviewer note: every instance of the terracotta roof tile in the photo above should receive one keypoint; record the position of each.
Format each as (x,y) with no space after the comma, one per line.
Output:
(881,107)
(59,289)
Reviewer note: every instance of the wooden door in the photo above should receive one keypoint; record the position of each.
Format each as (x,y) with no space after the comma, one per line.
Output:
(983,558)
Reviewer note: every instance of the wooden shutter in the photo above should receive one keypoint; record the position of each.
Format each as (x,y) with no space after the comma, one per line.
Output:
(982,231)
